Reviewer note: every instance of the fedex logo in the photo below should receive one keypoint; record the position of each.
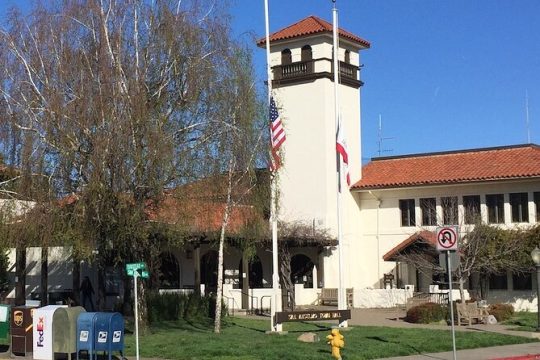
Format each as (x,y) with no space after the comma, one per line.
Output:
(40,330)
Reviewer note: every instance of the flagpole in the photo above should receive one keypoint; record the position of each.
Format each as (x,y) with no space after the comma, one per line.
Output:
(341,291)
(276,301)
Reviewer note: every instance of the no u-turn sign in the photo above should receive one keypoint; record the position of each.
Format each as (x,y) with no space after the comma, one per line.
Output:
(447,238)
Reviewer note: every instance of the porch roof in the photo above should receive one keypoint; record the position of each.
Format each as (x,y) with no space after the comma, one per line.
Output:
(421,239)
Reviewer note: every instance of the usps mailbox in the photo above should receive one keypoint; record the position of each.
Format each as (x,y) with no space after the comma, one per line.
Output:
(85,333)
(65,329)
(43,330)
(109,333)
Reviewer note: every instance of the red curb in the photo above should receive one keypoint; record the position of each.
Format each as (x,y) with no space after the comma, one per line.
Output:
(521,357)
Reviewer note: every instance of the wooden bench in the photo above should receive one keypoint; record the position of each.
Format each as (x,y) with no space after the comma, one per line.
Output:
(469,312)
(330,296)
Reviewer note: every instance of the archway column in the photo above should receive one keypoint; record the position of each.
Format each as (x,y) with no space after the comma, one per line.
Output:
(197,268)
(245,281)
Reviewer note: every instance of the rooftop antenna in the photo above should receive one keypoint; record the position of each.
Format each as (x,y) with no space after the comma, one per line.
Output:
(380,140)
(527,116)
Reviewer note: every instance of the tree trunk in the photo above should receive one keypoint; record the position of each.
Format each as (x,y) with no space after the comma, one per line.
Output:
(100,301)
(462,289)
(76,281)
(44,275)
(142,311)
(219,291)
(224,223)
(285,276)
(20,272)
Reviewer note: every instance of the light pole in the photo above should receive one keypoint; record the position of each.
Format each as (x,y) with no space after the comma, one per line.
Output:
(535,254)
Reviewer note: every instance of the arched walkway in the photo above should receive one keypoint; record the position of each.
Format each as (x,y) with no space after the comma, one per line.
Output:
(209,263)
(302,270)
(169,277)
(255,273)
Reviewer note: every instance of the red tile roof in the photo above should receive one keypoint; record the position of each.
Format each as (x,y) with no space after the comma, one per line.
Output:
(476,165)
(198,216)
(309,26)
(425,237)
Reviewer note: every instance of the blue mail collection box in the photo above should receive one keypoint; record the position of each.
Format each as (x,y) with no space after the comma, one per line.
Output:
(109,333)
(85,333)
(117,330)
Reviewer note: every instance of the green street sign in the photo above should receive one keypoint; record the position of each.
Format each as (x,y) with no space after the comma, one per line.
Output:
(131,268)
(144,274)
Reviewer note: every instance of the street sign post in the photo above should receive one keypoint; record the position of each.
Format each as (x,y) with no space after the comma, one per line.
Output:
(137,270)
(447,241)
(454,257)
(132,267)
(447,238)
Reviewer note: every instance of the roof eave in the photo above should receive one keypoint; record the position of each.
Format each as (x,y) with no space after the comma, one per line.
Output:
(360,45)
(441,183)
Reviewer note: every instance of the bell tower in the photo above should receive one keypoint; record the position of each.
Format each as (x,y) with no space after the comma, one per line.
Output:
(303,88)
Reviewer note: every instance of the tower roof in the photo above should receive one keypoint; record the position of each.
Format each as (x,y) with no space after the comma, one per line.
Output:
(310,26)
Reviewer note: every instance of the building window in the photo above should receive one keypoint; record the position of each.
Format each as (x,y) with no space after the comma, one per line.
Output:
(519,202)
(347,57)
(522,281)
(449,210)
(537,205)
(428,207)
(495,206)
(307,54)
(286,57)
(471,207)
(407,212)
(498,282)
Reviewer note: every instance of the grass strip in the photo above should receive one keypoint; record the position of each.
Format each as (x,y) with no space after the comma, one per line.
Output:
(245,339)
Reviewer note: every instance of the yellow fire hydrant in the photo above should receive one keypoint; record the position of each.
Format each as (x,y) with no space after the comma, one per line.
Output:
(336,342)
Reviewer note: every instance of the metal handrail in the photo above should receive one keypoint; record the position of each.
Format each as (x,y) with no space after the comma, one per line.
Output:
(228,301)
(251,298)
(261,311)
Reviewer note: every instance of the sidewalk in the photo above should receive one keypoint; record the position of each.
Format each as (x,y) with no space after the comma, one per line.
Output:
(530,351)
(393,318)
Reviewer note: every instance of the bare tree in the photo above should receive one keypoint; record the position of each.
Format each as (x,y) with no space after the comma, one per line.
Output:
(239,148)
(484,249)
(118,100)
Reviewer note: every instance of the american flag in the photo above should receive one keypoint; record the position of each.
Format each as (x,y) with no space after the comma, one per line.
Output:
(277,136)
(341,147)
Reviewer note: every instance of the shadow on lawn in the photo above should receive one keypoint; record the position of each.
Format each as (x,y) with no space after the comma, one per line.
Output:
(196,325)
(380,339)
(319,328)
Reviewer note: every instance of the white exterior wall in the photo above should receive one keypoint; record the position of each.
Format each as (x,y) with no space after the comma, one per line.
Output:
(383,231)
(307,181)
(59,268)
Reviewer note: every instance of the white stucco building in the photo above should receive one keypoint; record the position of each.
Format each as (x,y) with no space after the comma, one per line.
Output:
(390,200)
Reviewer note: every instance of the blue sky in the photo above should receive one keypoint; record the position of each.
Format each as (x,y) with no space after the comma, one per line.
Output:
(443,74)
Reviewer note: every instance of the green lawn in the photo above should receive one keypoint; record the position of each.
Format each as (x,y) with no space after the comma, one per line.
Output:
(524,321)
(246,339)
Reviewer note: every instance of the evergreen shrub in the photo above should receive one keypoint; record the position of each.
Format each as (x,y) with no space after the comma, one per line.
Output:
(501,312)
(426,313)
(163,307)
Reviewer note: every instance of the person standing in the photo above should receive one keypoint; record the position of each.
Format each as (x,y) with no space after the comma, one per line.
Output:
(87,292)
